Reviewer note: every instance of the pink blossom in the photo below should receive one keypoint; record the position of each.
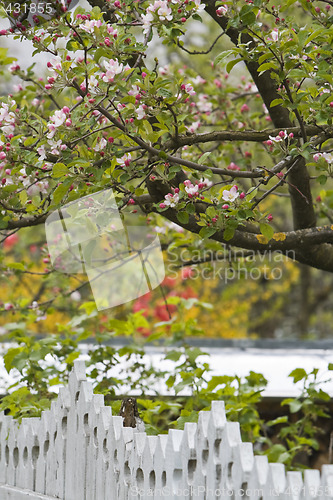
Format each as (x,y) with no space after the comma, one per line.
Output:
(233,166)
(100,145)
(92,81)
(203,104)
(192,128)
(89,26)
(275,35)
(188,88)
(140,111)
(125,160)
(231,194)
(221,11)
(58,118)
(55,63)
(191,189)
(163,70)
(171,200)
(111,30)
(14,67)
(113,68)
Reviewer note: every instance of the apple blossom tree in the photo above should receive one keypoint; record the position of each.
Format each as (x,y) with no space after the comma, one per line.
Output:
(234,145)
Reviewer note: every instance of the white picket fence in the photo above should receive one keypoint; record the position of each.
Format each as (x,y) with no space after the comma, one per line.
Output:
(78,451)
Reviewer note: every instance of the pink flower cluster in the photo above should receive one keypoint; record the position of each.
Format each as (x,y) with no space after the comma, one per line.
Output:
(170,199)
(161,9)
(7,119)
(59,117)
(282,135)
(194,189)
(113,68)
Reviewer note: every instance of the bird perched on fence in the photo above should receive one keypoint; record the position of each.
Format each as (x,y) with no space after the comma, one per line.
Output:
(129,412)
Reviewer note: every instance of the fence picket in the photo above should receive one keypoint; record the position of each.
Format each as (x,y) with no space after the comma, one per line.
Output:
(78,450)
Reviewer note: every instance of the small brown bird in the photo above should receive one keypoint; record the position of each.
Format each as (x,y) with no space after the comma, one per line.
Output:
(130,414)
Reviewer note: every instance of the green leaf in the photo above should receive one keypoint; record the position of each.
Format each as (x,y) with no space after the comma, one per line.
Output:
(278,420)
(173,355)
(71,357)
(206,232)
(233,63)
(276,102)
(10,356)
(202,158)
(59,193)
(59,170)
(266,67)
(295,406)
(266,230)
(248,18)
(89,307)
(211,212)
(29,141)
(322,179)
(298,374)
(228,233)
(187,416)
(183,217)
(223,56)
(16,265)
(190,208)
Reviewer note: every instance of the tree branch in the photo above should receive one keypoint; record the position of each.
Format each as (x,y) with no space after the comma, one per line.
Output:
(302,206)
(247,135)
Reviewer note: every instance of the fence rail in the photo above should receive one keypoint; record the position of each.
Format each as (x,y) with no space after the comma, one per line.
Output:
(78,451)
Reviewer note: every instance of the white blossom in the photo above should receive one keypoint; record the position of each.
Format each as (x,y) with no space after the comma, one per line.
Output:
(90,25)
(231,194)
(113,68)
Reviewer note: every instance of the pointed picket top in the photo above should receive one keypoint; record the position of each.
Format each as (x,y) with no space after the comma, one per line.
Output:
(295,485)
(312,482)
(276,480)
(327,480)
